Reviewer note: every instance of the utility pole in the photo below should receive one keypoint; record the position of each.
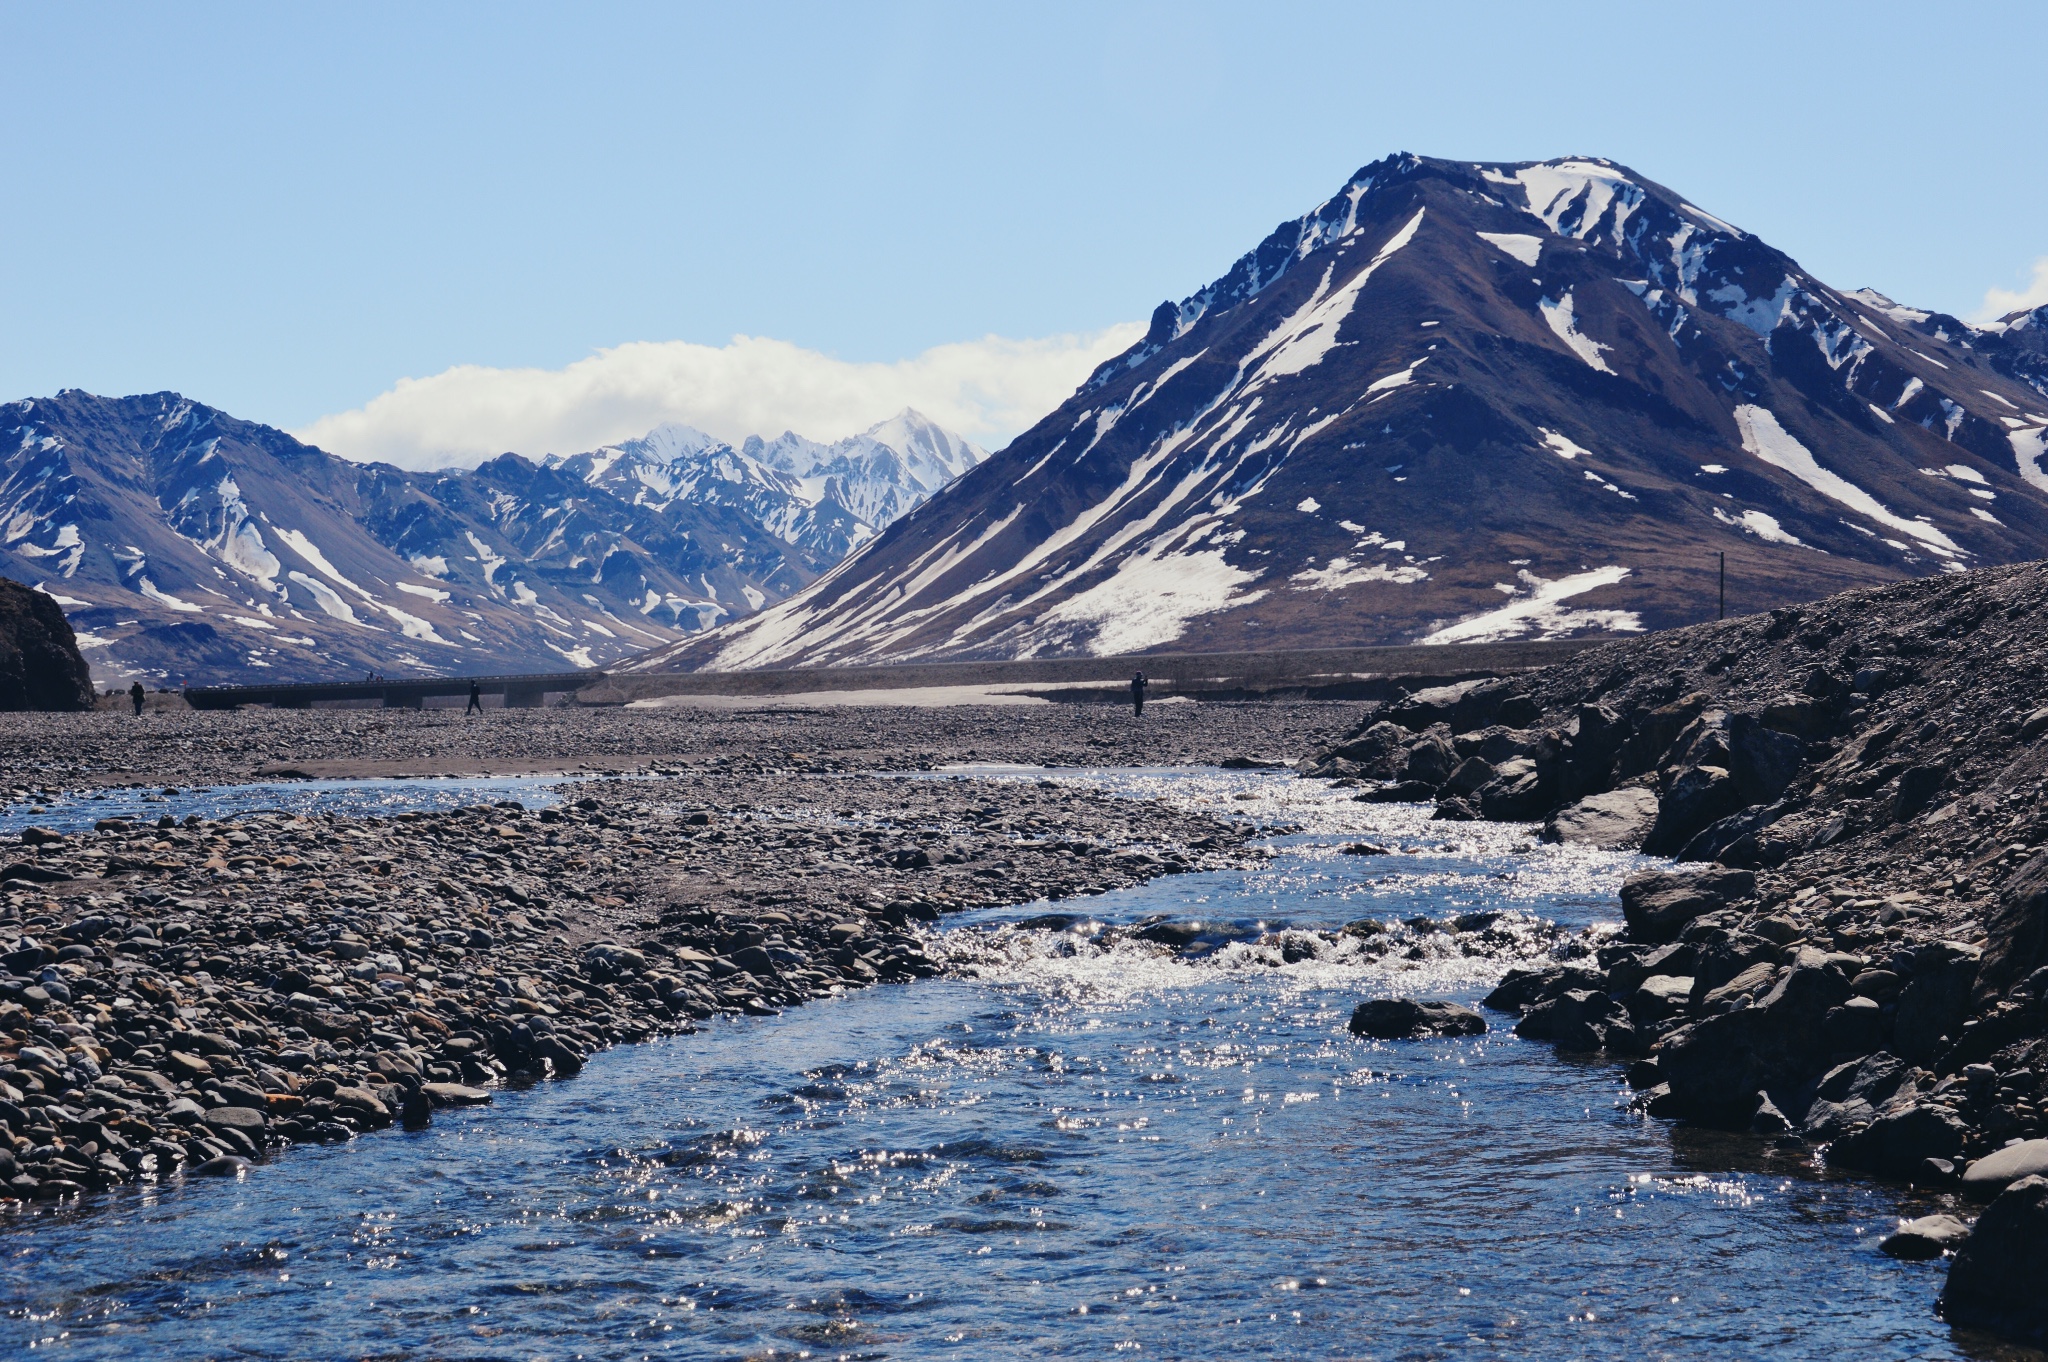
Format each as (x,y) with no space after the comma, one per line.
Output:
(1722,613)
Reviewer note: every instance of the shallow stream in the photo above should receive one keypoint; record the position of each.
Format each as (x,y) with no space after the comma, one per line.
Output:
(76,812)
(1062,1149)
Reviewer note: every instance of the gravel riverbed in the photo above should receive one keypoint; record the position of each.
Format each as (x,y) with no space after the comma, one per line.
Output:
(188,994)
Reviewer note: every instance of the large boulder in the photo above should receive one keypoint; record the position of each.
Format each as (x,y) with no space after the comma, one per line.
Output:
(1375,752)
(1658,903)
(1739,833)
(1580,1019)
(1792,1037)
(1764,761)
(1849,1096)
(40,665)
(1525,986)
(1659,998)
(1493,702)
(1430,759)
(1712,1065)
(2016,941)
(1431,705)
(1696,797)
(1933,1006)
(1995,1281)
(1996,1171)
(1917,787)
(1407,1018)
(1905,1143)
(1614,821)
(1514,793)
(1591,741)
(1469,775)
(1652,732)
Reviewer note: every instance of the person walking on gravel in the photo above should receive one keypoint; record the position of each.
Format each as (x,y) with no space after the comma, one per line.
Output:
(135,694)
(1138,684)
(476,700)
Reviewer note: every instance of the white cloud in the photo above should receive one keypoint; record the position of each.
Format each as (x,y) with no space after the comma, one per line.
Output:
(988,390)
(1999,302)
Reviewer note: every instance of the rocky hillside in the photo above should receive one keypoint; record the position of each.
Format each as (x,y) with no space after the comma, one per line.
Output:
(1462,402)
(189,546)
(1853,950)
(40,665)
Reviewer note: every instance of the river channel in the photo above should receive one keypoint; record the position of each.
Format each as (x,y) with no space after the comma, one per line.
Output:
(1067,1146)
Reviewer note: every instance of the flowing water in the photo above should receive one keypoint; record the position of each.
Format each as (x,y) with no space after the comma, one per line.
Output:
(73,812)
(1068,1147)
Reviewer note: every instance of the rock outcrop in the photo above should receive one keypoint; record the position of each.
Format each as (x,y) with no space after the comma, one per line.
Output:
(1852,949)
(1995,1282)
(40,665)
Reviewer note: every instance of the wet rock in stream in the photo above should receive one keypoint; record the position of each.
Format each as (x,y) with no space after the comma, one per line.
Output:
(1407,1018)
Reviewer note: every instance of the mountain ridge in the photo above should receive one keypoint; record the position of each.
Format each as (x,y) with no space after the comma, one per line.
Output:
(1558,383)
(189,545)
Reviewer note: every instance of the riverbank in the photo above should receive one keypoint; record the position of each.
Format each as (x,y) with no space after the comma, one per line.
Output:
(186,993)
(1850,956)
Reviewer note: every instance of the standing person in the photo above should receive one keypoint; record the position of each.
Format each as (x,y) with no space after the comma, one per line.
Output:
(135,694)
(1138,684)
(476,700)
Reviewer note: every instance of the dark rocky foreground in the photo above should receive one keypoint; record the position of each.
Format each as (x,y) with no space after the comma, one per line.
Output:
(189,994)
(1852,954)
(40,665)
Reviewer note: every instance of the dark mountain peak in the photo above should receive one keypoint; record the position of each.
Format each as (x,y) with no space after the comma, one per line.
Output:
(1461,400)
(1585,199)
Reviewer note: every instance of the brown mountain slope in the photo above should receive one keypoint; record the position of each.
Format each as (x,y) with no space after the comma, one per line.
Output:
(1460,402)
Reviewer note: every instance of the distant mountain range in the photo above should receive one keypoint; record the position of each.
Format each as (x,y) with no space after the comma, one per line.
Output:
(826,499)
(187,546)
(1460,401)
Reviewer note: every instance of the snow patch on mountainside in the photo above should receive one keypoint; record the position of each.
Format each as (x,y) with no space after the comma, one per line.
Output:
(1576,198)
(1516,245)
(148,589)
(1301,342)
(238,541)
(1341,572)
(1764,437)
(1760,314)
(1400,378)
(328,599)
(1558,315)
(1149,600)
(67,548)
(1764,527)
(1542,613)
(1560,446)
(2028,449)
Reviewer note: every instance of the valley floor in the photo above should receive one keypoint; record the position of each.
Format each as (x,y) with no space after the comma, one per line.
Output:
(192,992)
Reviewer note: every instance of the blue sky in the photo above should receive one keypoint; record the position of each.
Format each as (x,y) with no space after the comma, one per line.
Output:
(288,210)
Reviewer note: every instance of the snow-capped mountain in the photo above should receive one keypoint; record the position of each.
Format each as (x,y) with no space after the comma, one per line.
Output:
(1458,402)
(188,546)
(827,499)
